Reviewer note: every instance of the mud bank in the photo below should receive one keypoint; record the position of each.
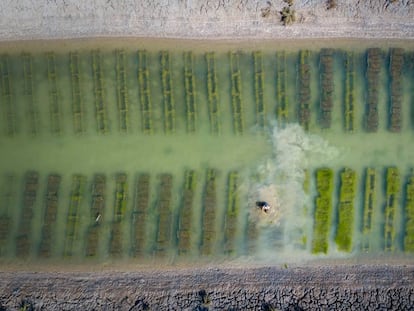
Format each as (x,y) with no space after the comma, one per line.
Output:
(341,287)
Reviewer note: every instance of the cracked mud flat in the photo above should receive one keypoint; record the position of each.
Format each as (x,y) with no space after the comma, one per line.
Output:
(308,287)
(335,287)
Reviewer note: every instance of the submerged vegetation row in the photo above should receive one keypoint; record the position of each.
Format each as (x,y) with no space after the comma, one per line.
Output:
(144,215)
(165,92)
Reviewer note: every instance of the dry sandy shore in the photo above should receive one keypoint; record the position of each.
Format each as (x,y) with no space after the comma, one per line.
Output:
(346,287)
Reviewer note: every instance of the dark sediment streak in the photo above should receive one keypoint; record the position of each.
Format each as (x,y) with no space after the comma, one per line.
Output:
(310,288)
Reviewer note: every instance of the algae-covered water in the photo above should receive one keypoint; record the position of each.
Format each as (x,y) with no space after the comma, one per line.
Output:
(147,150)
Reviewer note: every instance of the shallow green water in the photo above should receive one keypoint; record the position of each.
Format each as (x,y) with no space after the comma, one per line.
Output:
(135,111)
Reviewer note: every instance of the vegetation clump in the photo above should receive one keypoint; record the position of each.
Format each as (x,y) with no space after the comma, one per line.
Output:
(409,215)
(140,215)
(96,213)
(167,91)
(370,199)
(164,222)
(190,93)
(122,90)
(267,11)
(344,230)
(121,197)
(212,91)
(50,214)
(77,104)
(392,193)
(237,105)
(396,66)
(331,4)
(145,92)
(372,75)
(288,15)
(304,89)
(233,207)
(322,215)
(23,241)
(100,104)
(259,89)
(349,92)
(185,221)
(281,98)
(327,87)
(209,214)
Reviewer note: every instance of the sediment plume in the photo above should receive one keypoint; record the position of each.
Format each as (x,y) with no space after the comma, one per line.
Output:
(279,180)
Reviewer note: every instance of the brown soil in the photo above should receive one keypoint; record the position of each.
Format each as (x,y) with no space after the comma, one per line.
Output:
(334,287)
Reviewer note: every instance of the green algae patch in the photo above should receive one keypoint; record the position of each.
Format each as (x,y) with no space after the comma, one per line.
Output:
(323,210)
(344,232)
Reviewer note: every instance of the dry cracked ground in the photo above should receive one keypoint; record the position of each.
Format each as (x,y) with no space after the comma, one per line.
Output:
(342,287)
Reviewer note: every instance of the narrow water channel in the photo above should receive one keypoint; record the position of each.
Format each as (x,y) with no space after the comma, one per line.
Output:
(160,151)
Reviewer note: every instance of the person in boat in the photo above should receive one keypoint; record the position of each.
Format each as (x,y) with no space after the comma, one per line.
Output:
(263,205)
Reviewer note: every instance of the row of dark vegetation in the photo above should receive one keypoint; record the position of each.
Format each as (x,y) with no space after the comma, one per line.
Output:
(372,76)
(23,242)
(304,89)
(139,214)
(121,199)
(396,66)
(186,213)
(208,236)
(167,91)
(374,61)
(122,91)
(6,202)
(327,87)
(349,100)
(177,230)
(101,112)
(236,98)
(261,113)
(72,221)
(54,105)
(164,217)
(96,214)
(50,214)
